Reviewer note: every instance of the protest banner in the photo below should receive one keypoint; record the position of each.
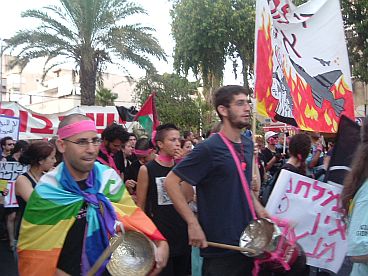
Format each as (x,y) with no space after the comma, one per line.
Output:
(9,171)
(313,207)
(38,126)
(9,126)
(302,72)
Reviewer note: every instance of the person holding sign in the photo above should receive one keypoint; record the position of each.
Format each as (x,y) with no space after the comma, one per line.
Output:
(355,202)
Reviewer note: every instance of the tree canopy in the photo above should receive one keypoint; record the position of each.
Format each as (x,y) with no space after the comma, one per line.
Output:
(91,33)
(206,32)
(104,97)
(175,101)
(355,15)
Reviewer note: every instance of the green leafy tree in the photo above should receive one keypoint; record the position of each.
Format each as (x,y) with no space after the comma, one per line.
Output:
(105,97)
(201,41)
(175,99)
(241,24)
(208,31)
(355,15)
(91,33)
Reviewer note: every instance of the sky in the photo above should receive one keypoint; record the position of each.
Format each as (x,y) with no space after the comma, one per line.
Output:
(158,17)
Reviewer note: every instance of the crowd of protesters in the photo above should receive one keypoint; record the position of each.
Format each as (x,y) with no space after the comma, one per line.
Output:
(189,188)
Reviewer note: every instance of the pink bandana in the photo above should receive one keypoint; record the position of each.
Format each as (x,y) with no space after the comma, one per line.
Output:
(110,160)
(76,128)
(143,153)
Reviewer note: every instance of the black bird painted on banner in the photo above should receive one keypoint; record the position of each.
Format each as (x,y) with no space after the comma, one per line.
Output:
(321,85)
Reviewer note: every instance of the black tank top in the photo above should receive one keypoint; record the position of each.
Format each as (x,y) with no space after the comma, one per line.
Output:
(160,209)
(22,203)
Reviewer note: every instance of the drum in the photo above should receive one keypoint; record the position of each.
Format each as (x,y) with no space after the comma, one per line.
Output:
(134,256)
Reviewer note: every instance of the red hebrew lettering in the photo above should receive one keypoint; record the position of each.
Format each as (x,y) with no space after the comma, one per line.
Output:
(48,125)
(100,119)
(315,250)
(91,116)
(276,3)
(300,185)
(316,224)
(331,198)
(291,44)
(23,118)
(285,10)
(320,190)
(110,118)
(301,236)
(340,228)
(7,112)
(327,247)
(290,189)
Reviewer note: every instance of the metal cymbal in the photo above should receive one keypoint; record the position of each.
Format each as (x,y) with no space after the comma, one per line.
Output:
(134,256)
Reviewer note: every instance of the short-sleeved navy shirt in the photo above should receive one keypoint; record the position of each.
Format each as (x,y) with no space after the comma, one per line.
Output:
(223,210)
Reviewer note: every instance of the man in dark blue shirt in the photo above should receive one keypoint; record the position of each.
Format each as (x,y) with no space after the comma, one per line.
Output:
(223,208)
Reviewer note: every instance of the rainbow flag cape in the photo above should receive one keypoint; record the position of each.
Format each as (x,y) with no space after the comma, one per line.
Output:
(51,211)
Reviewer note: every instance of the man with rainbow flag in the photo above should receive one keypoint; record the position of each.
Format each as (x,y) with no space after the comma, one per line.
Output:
(75,208)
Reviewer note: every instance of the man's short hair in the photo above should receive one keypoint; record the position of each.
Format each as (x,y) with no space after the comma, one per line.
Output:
(186,134)
(225,94)
(72,118)
(113,132)
(132,134)
(161,131)
(3,141)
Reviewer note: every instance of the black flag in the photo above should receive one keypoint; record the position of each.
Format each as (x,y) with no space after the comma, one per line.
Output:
(126,114)
(347,140)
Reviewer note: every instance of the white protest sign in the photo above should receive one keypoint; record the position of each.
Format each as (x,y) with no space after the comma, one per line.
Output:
(314,207)
(9,171)
(9,126)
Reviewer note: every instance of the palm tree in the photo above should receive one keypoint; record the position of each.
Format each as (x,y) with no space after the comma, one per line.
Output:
(91,33)
(105,97)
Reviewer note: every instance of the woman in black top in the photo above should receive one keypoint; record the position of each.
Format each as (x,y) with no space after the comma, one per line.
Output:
(40,156)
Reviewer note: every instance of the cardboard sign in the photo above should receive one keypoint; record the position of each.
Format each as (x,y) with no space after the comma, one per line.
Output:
(314,208)
(9,126)
(9,171)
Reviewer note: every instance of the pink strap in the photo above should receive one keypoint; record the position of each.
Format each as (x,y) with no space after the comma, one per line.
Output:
(277,254)
(111,161)
(76,128)
(243,180)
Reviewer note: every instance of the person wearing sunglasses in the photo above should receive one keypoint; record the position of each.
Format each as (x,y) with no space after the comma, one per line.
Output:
(7,145)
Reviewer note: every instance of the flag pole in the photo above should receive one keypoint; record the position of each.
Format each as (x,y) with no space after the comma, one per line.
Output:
(256,176)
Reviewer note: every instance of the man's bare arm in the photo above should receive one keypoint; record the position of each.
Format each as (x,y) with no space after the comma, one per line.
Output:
(196,235)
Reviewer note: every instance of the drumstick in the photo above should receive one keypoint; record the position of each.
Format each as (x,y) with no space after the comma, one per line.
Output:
(231,247)
(105,254)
